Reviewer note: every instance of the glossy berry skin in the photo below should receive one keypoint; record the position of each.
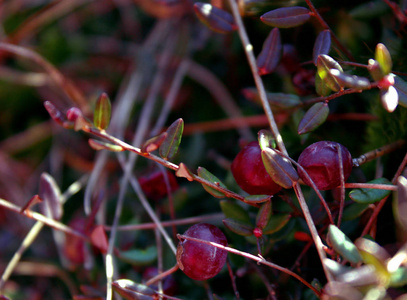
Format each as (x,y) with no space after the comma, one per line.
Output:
(200,261)
(250,174)
(321,161)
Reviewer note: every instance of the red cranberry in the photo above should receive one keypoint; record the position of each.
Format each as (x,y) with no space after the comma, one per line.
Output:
(250,174)
(321,161)
(153,185)
(200,261)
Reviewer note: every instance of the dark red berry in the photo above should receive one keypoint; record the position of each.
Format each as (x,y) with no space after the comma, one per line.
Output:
(250,174)
(321,161)
(200,261)
(154,186)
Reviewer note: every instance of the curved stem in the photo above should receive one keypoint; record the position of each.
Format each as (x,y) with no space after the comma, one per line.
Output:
(259,260)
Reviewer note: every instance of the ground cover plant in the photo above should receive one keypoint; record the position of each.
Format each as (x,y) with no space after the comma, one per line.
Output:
(178,149)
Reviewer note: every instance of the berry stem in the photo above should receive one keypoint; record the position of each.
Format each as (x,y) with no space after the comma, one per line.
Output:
(258,259)
(364,158)
(162,275)
(342,186)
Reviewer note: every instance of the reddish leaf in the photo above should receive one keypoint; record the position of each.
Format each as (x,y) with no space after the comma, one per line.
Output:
(154,143)
(279,168)
(169,146)
(215,18)
(271,53)
(99,238)
(286,17)
(183,171)
(57,115)
(50,193)
(102,113)
(314,117)
(322,45)
(263,215)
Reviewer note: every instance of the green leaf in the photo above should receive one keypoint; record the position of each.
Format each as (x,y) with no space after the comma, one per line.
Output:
(205,174)
(276,222)
(369,10)
(233,210)
(102,113)
(214,18)
(279,168)
(100,145)
(320,86)
(399,277)
(324,64)
(169,146)
(238,227)
(282,100)
(257,198)
(343,245)
(266,139)
(139,257)
(354,211)
(383,57)
(263,215)
(131,290)
(286,17)
(367,196)
(375,255)
(314,117)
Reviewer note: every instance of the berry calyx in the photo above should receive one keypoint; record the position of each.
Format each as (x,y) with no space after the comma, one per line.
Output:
(250,174)
(201,261)
(321,161)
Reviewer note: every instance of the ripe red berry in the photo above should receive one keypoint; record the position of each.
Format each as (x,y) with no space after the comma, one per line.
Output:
(321,161)
(200,261)
(250,174)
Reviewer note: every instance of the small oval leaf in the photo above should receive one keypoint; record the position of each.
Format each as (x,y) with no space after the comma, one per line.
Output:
(399,277)
(369,10)
(320,86)
(184,172)
(205,174)
(99,145)
(276,222)
(389,98)
(324,64)
(50,193)
(322,45)
(263,215)
(102,113)
(314,117)
(139,257)
(232,210)
(266,139)
(286,17)
(354,210)
(238,227)
(383,57)
(271,53)
(99,238)
(375,70)
(334,267)
(131,290)
(400,202)
(343,245)
(154,143)
(401,87)
(350,81)
(257,198)
(279,168)
(367,196)
(282,100)
(169,146)
(214,18)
